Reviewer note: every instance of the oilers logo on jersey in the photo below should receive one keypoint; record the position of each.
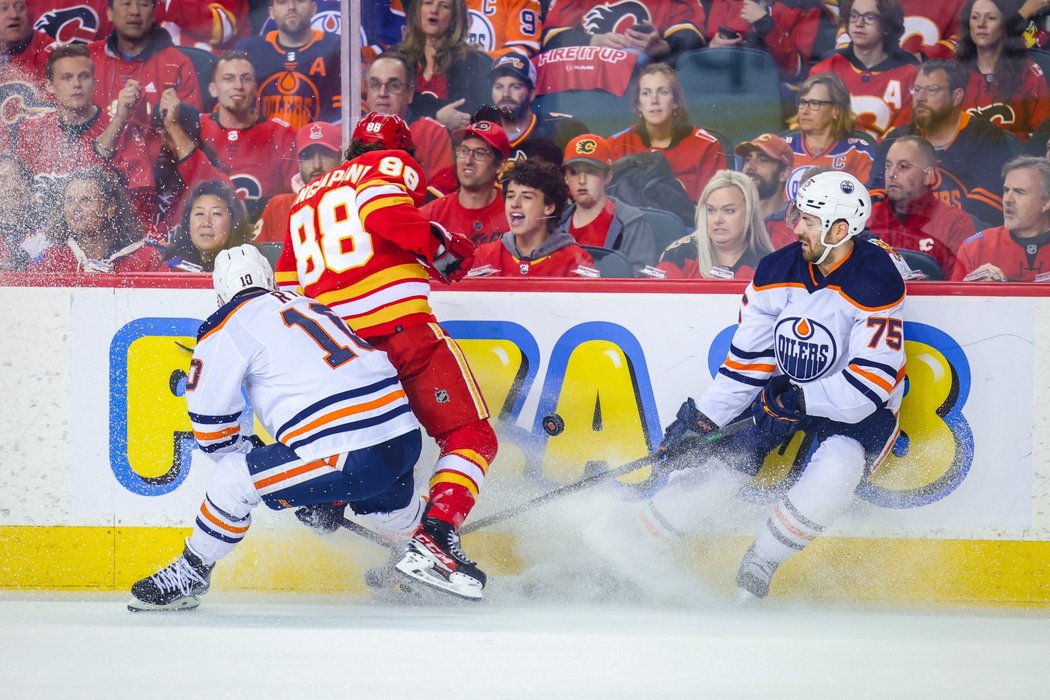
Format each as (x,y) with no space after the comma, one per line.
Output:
(481,32)
(805,349)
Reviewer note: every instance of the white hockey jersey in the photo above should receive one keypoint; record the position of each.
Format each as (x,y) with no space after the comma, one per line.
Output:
(315,386)
(838,337)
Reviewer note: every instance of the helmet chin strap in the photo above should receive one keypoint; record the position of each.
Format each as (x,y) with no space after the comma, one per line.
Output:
(828,246)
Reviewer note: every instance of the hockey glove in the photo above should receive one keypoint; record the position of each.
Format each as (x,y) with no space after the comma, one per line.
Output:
(780,408)
(323,518)
(455,253)
(687,431)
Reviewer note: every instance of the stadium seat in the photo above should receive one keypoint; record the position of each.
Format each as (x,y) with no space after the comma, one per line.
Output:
(604,113)
(667,228)
(921,262)
(734,90)
(611,263)
(270,251)
(202,62)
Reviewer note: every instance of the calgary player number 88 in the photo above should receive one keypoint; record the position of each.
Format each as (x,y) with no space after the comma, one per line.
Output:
(330,235)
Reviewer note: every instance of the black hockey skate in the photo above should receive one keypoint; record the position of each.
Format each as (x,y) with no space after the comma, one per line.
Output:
(175,587)
(754,575)
(435,558)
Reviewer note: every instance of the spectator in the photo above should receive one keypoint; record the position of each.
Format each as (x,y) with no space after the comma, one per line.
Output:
(877,72)
(21,237)
(767,160)
(595,218)
(476,210)
(391,82)
(931,29)
(499,27)
(213,219)
(651,29)
(77,134)
(825,134)
(1005,86)
(663,125)
(71,21)
(912,217)
(513,93)
(450,74)
(971,151)
(785,29)
(1016,251)
(297,67)
(257,153)
(318,146)
(730,236)
(96,230)
(535,195)
(139,56)
(23,50)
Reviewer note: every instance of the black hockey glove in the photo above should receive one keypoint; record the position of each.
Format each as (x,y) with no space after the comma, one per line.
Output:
(687,432)
(323,518)
(780,408)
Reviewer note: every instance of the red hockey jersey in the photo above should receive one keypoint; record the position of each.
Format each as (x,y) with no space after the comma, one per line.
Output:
(212,25)
(480,225)
(930,28)
(612,17)
(71,21)
(354,243)
(790,42)
(260,160)
(52,150)
(1021,260)
(881,96)
(929,226)
(694,155)
(563,262)
(1019,114)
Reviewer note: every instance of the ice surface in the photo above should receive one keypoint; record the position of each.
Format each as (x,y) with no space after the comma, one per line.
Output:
(288,646)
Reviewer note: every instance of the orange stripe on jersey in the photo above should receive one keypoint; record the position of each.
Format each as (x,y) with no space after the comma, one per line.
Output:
(343,413)
(749,368)
(901,375)
(474,458)
(382,203)
(778,285)
(787,525)
(383,278)
(302,469)
(220,524)
(873,378)
(445,477)
(845,296)
(217,434)
(229,315)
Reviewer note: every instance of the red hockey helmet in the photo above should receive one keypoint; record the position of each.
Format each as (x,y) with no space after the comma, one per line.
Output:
(389,130)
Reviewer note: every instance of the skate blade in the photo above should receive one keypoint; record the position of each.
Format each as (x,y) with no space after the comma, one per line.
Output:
(746,598)
(421,569)
(185,603)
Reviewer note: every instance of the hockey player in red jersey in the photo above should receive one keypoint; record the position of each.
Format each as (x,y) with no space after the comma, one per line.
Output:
(819,348)
(1017,251)
(358,243)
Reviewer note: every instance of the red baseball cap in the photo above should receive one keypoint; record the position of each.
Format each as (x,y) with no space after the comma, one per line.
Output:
(489,132)
(319,134)
(770,144)
(589,148)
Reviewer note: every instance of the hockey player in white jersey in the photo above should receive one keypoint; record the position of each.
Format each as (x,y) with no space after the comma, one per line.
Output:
(342,424)
(819,348)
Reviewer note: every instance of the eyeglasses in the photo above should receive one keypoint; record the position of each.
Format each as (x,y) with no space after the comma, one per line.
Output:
(480,154)
(394,87)
(932,90)
(868,17)
(815,105)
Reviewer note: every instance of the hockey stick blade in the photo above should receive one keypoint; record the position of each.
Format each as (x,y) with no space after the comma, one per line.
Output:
(362,531)
(588,481)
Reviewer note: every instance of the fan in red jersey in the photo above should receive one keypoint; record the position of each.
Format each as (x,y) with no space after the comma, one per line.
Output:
(23,55)
(663,125)
(1005,86)
(358,243)
(877,72)
(787,30)
(931,29)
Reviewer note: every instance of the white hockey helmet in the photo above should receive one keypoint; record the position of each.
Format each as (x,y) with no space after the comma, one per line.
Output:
(240,268)
(835,196)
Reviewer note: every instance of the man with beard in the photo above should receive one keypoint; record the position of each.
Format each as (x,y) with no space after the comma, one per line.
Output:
(513,91)
(971,151)
(767,160)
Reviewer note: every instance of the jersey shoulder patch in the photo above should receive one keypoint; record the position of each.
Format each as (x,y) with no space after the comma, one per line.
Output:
(975,237)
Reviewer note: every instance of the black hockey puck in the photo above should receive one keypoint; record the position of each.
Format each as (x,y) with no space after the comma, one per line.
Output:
(553,424)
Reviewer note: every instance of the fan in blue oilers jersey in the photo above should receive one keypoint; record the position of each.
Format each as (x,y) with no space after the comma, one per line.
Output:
(342,424)
(819,348)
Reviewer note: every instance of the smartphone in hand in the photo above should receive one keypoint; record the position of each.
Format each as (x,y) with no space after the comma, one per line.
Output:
(644,28)
(169,75)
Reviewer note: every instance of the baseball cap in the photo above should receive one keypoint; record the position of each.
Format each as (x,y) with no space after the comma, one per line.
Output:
(489,132)
(770,144)
(516,65)
(589,148)
(319,134)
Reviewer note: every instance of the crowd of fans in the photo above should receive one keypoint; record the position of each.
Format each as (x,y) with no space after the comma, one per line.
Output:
(140,136)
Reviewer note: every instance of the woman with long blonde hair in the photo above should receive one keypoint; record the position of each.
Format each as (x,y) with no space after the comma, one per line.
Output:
(730,236)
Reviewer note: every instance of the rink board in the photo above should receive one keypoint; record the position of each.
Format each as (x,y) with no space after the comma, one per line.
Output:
(100,480)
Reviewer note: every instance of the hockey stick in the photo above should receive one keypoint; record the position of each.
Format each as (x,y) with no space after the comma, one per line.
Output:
(593,479)
(362,531)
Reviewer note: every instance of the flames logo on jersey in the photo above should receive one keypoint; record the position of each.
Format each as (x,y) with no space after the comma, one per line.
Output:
(805,348)
(998,113)
(248,187)
(69,25)
(19,101)
(615,18)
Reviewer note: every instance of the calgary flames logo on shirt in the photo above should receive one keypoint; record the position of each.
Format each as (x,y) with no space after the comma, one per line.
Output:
(805,349)
(615,18)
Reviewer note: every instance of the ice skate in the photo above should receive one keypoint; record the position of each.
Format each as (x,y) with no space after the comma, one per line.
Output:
(435,558)
(752,580)
(175,587)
